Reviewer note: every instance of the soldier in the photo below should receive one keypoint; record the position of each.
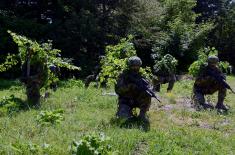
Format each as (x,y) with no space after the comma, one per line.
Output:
(34,76)
(164,72)
(93,77)
(129,92)
(163,79)
(210,80)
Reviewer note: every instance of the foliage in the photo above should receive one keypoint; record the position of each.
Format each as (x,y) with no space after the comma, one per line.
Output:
(50,117)
(115,60)
(179,35)
(146,20)
(31,148)
(82,29)
(167,65)
(71,83)
(222,37)
(202,60)
(210,10)
(10,104)
(92,145)
(10,61)
(42,53)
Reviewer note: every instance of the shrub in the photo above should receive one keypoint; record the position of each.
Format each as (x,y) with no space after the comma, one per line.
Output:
(10,104)
(50,117)
(92,145)
(31,148)
(115,61)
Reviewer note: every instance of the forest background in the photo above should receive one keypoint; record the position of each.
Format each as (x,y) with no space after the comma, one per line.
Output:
(82,29)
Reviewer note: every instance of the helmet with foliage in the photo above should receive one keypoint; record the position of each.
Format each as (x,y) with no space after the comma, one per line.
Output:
(134,61)
(165,66)
(213,59)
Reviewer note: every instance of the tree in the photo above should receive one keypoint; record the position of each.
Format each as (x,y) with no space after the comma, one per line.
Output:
(180,36)
(209,9)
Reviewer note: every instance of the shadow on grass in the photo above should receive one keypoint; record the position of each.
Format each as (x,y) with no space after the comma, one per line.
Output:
(11,105)
(132,123)
(7,84)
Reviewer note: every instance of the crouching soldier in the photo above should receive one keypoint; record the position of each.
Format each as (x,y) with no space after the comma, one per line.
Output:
(158,80)
(210,80)
(132,89)
(164,72)
(34,75)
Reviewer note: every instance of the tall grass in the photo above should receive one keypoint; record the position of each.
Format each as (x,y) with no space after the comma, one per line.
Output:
(87,111)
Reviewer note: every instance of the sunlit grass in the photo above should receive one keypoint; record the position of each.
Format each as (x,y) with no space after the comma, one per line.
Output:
(176,130)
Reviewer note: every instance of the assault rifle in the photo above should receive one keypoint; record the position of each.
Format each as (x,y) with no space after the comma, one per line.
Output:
(142,85)
(221,79)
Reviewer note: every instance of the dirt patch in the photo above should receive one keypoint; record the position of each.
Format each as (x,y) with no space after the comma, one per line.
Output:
(180,104)
(141,148)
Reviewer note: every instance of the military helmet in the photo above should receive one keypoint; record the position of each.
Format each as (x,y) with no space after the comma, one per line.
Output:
(134,61)
(213,59)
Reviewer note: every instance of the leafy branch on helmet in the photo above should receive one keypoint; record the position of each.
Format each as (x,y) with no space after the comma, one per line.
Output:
(115,61)
(165,66)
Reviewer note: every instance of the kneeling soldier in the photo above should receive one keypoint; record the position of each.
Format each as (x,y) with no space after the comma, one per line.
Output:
(132,90)
(210,80)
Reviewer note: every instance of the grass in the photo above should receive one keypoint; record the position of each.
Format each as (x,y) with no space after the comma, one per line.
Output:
(177,130)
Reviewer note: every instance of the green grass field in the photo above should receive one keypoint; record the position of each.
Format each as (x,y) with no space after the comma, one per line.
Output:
(175,128)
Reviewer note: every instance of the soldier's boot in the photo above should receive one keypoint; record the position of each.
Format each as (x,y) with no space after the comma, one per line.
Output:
(124,112)
(143,117)
(170,86)
(220,104)
(207,106)
(200,102)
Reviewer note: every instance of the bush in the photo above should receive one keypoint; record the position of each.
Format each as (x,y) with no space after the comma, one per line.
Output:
(50,117)
(115,61)
(10,104)
(92,145)
(71,83)
(31,148)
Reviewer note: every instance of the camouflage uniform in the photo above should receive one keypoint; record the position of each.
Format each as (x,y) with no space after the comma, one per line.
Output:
(164,73)
(206,84)
(158,80)
(34,81)
(129,94)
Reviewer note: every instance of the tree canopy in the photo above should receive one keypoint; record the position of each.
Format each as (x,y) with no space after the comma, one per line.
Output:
(82,29)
